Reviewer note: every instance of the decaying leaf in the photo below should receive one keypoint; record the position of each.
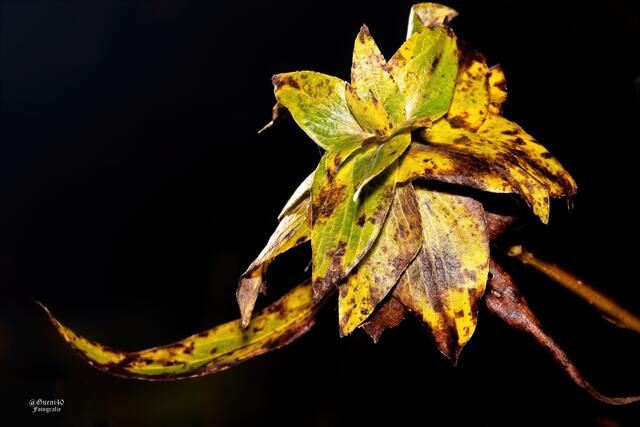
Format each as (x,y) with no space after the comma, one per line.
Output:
(444,283)
(387,316)
(505,301)
(210,351)
(470,102)
(396,246)
(497,89)
(430,15)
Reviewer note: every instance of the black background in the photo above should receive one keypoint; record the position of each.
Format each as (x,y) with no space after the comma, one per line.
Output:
(135,191)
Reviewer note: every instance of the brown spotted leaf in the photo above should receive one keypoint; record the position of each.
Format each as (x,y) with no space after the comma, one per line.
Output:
(317,103)
(345,227)
(425,69)
(504,300)
(511,166)
(368,111)
(292,230)
(396,246)
(497,89)
(444,283)
(388,315)
(470,102)
(429,15)
(210,351)
(442,164)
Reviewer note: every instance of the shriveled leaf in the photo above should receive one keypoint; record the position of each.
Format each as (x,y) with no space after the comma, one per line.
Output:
(425,69)
(317,103)
(210,351)
(429,15)
(302,191)
(498,224)
(470,102)
(387,316)
(444,283)
(397,244)
(344,228)
(377,157)
(497,89)
(534,157)
(512,168)
(505,301)
(368,111)
(441,164)
(371,78)
(292,230)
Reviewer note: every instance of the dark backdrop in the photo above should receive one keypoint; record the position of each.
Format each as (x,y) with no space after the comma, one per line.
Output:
(135,191)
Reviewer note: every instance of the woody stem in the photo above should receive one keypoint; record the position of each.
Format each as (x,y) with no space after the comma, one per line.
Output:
(602,302)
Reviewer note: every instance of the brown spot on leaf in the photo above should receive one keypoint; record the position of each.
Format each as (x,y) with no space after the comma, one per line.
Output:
(280,80)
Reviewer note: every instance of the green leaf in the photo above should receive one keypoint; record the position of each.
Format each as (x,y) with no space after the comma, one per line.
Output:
(210,351)
(444,283)
(425,69)
(344,228)
(292,231)
(317,103)
(396,246)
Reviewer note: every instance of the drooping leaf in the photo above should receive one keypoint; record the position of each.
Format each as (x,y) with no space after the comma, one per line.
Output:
(388,315)
(292,231)
(534,157)
(441,164)
(425,69)
(505,301)
(429,15)
(470,102)
(210,351)
(497,89)
(317,103)
(344,228)
(302,191)
(397,244)
(371,78)
(511,166)
(368,111)
(444,283)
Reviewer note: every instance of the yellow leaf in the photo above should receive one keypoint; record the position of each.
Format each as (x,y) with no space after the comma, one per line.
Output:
(303,190)
(511,167)
(429,15)
(497,89)
(438,163)
(470,102)
(444,283)
(368,111)
(425,69)
(396,246)
(317,103)
(371,78)
(210,351)
(292,230)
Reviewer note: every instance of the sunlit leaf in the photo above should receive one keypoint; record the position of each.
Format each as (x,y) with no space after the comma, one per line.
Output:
(425,69)
(470,102)
(344,228)
(292,230)
(444,283)
(317,103)
(429,15)
(371,78)
(513,169)
(210,351)
(396,246)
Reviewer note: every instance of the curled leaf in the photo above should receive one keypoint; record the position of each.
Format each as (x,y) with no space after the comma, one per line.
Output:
(387,316)
(425,69)
(210,351)
(397,244)
(317,103)
(292,231)
(429,15)
(444,283)
(505,301)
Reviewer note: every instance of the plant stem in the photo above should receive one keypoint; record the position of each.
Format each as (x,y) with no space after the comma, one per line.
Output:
(607,306)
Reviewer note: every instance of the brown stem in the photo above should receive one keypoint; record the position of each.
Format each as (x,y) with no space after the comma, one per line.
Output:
(607,306)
